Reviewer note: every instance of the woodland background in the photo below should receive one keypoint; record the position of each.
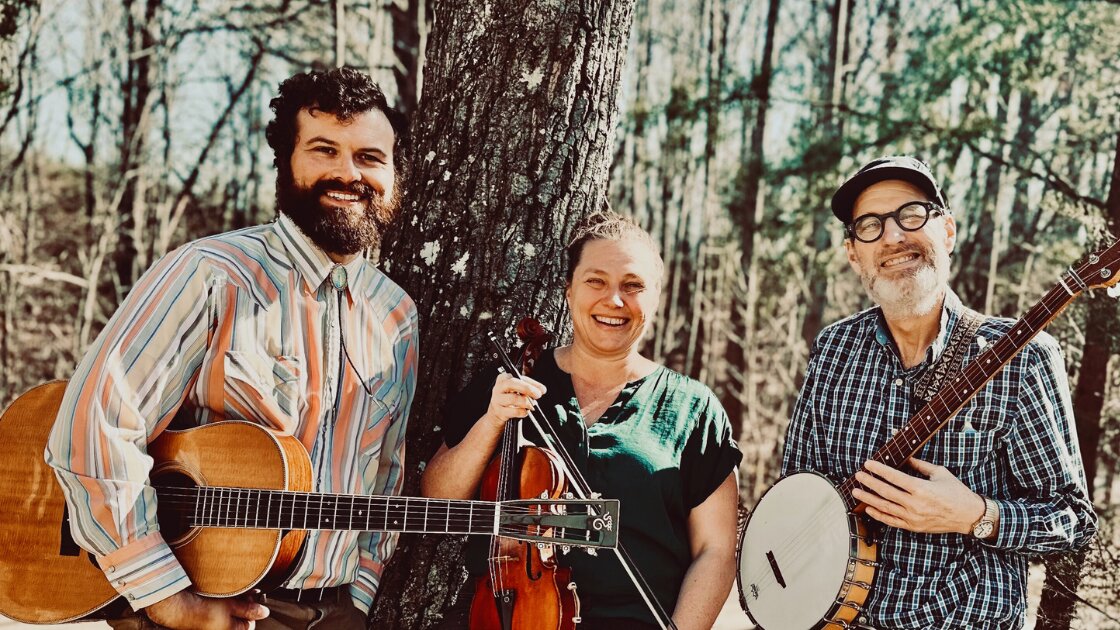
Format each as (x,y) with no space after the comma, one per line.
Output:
(128,127)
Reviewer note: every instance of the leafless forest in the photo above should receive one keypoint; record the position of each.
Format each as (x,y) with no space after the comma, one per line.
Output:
(128,127)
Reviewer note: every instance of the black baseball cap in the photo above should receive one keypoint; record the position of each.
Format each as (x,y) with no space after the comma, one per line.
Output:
(904,167)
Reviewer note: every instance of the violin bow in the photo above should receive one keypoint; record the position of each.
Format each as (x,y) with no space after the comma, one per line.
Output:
(582,489)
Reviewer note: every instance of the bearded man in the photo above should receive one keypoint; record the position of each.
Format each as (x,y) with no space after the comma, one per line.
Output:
(1000,482)
(286,325)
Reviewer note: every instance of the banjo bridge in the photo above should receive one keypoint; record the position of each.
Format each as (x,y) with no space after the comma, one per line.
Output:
(775,569)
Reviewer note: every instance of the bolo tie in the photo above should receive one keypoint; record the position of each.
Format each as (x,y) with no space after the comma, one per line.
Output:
(340,280)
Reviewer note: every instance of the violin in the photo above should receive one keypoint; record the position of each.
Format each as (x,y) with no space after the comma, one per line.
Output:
(524,588)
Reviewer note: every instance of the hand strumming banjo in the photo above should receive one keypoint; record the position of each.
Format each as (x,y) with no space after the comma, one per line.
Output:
(805,559)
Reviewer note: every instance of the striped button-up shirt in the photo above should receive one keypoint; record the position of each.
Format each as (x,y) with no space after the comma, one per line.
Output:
(1015,442)
(247,326)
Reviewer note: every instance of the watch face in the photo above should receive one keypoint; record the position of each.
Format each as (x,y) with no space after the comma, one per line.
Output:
(983,529)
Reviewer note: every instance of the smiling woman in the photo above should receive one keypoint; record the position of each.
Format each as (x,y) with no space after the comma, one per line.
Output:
(639,432)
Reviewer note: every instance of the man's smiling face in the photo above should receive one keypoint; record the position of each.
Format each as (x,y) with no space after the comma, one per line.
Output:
(903,272)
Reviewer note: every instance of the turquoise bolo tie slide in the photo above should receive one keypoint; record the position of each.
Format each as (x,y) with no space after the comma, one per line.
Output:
(338,277)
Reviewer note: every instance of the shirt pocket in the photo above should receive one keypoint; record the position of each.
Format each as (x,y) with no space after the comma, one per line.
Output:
(263,389)
(379,417)
(965,453)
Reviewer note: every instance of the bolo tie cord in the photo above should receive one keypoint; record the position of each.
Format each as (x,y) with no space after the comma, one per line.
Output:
(340,280)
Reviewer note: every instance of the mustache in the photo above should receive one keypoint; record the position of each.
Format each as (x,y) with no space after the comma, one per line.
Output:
(365,191)
(922,252)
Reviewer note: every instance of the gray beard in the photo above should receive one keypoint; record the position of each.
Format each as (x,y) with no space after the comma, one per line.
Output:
(914,295)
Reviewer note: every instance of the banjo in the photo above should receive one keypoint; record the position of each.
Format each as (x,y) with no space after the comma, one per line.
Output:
(817,570)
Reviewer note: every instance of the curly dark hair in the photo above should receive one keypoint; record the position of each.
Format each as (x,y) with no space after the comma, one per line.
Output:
(343,92)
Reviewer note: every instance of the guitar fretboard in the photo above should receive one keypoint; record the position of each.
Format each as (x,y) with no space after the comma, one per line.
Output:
(277,509)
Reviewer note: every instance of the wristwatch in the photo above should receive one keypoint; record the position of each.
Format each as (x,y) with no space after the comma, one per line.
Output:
(984,527)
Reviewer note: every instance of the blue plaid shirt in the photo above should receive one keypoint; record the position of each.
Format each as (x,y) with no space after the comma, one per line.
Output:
(1015,442)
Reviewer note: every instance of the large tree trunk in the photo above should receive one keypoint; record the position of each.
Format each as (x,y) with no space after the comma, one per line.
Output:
(512,147)
(1063,573)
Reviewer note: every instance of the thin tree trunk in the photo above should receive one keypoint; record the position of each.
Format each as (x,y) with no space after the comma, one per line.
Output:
(746,212)
(136,90)
(501,174)
(832,128)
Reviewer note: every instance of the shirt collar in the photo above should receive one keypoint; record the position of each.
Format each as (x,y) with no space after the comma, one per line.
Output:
(951,308)
(311,262)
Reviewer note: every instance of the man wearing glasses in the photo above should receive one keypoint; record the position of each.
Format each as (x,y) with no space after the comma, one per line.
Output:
(1001,481)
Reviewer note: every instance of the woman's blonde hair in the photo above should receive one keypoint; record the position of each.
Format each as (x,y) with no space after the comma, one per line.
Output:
(607,225)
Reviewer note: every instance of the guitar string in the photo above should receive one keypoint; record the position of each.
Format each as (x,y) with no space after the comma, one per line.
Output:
(462,518)
(481,509)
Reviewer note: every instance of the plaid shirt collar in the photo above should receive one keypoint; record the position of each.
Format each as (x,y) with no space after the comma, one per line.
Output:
(951,308)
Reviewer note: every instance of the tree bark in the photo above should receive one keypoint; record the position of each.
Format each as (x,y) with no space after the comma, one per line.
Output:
(512,146)
(1063,573)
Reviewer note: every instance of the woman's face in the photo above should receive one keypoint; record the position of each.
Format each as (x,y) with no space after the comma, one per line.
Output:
(614,293)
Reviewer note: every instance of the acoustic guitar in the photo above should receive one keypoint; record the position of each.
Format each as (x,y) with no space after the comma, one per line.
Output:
(235,506)
(805,559)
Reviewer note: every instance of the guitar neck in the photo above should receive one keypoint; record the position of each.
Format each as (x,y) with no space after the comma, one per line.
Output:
(960,388)
(277,509)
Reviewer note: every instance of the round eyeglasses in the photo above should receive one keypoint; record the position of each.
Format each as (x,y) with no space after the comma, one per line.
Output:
(911,216)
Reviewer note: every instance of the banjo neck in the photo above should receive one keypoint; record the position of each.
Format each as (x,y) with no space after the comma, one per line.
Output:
(958,390)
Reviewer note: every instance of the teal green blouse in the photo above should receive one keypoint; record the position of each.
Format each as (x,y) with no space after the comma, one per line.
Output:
(661,448)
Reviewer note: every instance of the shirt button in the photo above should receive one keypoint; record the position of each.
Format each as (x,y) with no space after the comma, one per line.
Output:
(899,382)
(111,569)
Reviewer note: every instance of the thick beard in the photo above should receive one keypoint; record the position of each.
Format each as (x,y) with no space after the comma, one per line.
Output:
(336,230)
(915,294)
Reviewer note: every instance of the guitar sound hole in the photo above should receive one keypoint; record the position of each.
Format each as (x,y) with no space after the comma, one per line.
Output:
(176,496)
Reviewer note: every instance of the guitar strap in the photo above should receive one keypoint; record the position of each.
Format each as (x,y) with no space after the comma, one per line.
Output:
(951,360)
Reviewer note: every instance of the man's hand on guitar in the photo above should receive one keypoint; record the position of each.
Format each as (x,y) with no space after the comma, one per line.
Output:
(186,611)
(937,505)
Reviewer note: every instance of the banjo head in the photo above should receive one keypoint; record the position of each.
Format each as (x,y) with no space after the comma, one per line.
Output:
(795,553)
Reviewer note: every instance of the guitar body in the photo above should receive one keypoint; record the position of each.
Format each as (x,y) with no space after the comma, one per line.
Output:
(46,578)
(804,560)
